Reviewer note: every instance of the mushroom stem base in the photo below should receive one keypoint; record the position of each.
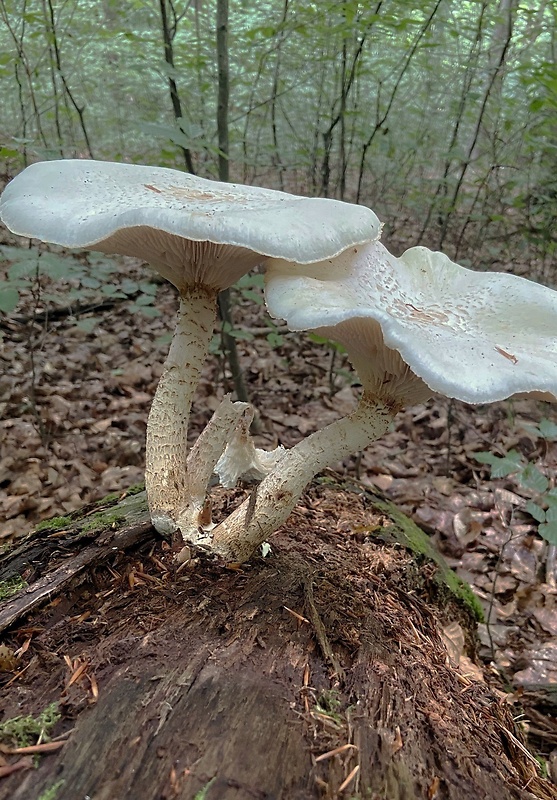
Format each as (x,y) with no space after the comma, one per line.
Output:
(270,504)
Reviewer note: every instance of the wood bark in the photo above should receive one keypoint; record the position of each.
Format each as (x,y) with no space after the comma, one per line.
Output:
(317,672)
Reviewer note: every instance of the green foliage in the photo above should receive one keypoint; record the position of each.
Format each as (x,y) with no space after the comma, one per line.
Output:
(202,793)
(84,280)
(543,506)
(336,346)
(406,100)
(54,524)
(52,792)
(102,519)
(24,731)
(11,586)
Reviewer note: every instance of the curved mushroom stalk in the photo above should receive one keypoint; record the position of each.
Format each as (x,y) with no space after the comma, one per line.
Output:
(412,327)
(194,518)
(269,506)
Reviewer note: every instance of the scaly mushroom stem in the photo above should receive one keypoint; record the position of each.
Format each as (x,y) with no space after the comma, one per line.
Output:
(166,477)
(270,504)
(200,465)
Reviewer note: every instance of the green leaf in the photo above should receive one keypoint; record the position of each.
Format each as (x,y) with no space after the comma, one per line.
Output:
(548,429)
(532,478)
(501,467)
(250,280)
(90,283)
(165,339)
(238,333)
(275,339)
(147,311)
(111,291)
(87,324)
(535,511)
(59,269)
(129,287)
(23,268)
(144,300)
(9,298)
(10,253)
(148,288)
(253,296)
(548,530)
(314,337)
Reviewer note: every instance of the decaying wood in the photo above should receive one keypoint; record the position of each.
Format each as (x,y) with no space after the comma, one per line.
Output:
(199,683)
(53,581)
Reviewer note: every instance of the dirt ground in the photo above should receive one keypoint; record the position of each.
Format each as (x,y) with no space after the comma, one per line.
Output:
(74,397)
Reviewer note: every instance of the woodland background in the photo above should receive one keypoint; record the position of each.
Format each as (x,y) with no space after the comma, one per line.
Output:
(440,115)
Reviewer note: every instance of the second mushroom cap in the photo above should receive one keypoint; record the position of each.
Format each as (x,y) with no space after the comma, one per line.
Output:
(474,336)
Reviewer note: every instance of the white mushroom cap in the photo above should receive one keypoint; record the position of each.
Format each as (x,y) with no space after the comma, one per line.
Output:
(474,336)
(176,221)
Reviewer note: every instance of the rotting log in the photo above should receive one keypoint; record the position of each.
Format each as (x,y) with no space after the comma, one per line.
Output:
(317,672)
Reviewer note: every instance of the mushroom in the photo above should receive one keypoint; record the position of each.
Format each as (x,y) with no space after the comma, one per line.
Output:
(412,326)
(242,460)
(201,236)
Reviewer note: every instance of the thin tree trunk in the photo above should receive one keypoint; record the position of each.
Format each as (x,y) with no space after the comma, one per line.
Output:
(346,85)
(501,41)
(383,118)
(223,88)
(80,110)
(277,161)
(342,137)
(51,70)
(224,302)
(168,34)
(24,62)
(442,190)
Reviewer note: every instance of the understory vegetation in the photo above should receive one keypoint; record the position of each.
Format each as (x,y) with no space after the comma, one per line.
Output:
(439,115)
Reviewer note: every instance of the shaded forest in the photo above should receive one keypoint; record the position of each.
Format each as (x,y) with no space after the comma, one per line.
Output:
(353,657)
(440,117)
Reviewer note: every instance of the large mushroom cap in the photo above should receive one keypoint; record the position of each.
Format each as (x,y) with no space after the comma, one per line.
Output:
(475,336)
(171,219)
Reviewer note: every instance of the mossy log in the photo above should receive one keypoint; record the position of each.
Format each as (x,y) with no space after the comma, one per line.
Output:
(319,671)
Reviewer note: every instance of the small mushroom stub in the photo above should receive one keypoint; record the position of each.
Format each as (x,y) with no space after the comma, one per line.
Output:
(242,460)
(421,324)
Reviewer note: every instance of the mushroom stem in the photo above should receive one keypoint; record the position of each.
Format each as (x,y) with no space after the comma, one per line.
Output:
(270,504)
(200,465)
(166,478)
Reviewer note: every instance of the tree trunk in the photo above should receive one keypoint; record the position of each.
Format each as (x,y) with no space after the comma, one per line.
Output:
(319,671)
(224,301)
(168,34)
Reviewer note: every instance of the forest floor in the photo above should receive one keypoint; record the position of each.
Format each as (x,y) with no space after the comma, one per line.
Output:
(75,391)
